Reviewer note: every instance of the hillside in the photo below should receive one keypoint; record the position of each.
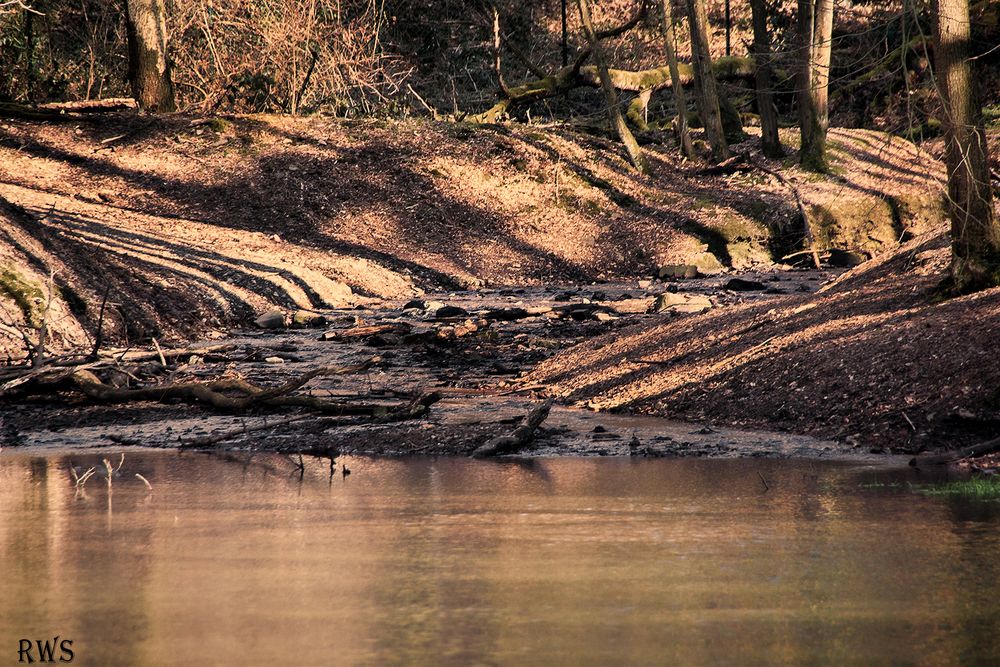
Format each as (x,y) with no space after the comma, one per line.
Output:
(193,225)
(875,359)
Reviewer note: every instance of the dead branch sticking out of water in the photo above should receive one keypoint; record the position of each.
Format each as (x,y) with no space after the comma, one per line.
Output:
(981,449)
(520,437)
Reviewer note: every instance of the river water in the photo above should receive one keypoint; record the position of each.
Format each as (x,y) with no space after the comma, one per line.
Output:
(452,561)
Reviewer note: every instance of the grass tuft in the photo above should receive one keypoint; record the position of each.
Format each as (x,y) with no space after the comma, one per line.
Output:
(978,488)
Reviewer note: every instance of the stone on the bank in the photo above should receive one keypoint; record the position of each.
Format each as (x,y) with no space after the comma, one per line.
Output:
(741,285)
(667,300)
(845,258)
(697,304)
(686,271)
(449,311)
(506,314)
(706,262)
(680,303)
(585,311)
(272,319)
(302,319)
(274,360)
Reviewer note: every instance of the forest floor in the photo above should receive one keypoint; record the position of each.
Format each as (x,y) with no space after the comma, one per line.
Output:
(193,227)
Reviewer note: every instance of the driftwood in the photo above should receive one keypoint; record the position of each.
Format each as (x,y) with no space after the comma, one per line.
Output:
(981,449)
(168,355)
(210,393)
(520,437)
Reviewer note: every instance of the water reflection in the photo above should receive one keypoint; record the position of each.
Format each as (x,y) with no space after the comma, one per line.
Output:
(231,560)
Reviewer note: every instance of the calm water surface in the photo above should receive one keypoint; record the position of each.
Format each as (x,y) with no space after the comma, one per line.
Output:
(445,561)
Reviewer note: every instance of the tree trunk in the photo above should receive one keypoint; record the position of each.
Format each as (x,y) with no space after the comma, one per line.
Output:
(564,42)
(769,142)
(148,65)
(611,97)
(669,42)
(815,32)
(975,231)
(729,30)
(704,81)
(31,77)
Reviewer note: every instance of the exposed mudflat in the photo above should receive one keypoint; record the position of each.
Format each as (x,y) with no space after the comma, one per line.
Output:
(476,358)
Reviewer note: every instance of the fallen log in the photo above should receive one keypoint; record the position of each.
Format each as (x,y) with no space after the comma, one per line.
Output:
(214,393)
(396,328)
(25,112)
(520,437)
(92,106)
(981,449)
(166,355)
(576,76)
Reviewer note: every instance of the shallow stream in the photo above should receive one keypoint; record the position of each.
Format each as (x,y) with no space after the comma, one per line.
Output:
(236,560)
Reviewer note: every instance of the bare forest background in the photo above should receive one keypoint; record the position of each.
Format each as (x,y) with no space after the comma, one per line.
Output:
(407,57)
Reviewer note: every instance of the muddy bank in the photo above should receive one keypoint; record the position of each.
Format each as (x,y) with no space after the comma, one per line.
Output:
(478,349)
(875,359)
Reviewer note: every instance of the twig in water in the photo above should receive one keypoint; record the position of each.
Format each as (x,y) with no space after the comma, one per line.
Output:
(111,472)
(764,482)
(145,481)
(81,480)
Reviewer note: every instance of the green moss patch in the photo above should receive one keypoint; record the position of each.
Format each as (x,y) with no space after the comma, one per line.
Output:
(28,297)
(857,223)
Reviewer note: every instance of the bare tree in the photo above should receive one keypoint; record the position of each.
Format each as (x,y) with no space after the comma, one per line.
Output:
(677,86)
(769,142)
(975,230)
(815,23)
(704,80)
(148,64)
(611,97)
